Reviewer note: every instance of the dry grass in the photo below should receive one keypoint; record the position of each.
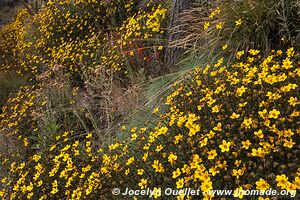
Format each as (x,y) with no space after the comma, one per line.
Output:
(265,25)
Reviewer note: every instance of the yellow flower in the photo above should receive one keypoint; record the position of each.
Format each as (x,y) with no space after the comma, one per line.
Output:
(203,142)
(145,156)
(239,54)
(40,183)
(181,121)
(52,147)
(75,144)
(212,14)
(127,171)
(193,129)
(89,135)
(224,47)
(156,192)
(259,134)
(212,154)
(290,52)
(181,196)
(287,63)
(143,183)
(133,136)
(253,52)
(238,22)
(157,166)
(176,173)
(36,157)
(262,185)
(241,105)
(234,116)
(238,192)
(29,195)
(214,171)
(237,173)
(237,162)
(155,110)
(172,158)
(25,141)
(206,25)
(219,26)
(189,93)
(224,146)
(289,143)
(206,186)
(223,165)
(54,187)
(246,144)
(288,133)
(274,114)
(218,127)
(178,138)
(261,198)
(133,130)
(215,109)
(297,182)
(142,130)
(258,152)
(293,101)
(180,183)
(140,172)
(282,181)
(240,91)
(247,123)
(130,160)
(113,146)
(159,148)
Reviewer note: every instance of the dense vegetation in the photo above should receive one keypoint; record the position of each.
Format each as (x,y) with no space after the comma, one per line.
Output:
(88,103)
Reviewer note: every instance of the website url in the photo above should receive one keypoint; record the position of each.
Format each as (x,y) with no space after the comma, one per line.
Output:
(239,192)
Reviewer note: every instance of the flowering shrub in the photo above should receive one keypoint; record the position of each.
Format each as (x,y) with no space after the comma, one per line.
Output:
(140,39)
(16,112)
(225,127)
(80,35)
(12,43)
(228,125)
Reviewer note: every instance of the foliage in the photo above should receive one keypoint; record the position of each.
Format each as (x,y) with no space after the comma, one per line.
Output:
(17,111)
(12,42)
(225,127)
(80,35)
(76,131)
(89,45)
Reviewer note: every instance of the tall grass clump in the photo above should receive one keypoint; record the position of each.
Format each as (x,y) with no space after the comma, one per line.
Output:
(239,25)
